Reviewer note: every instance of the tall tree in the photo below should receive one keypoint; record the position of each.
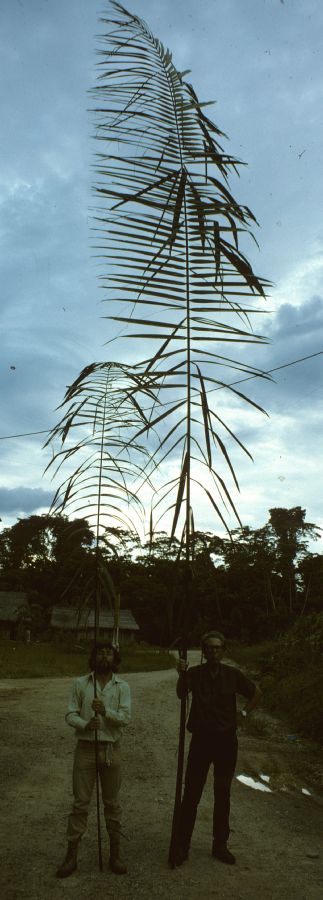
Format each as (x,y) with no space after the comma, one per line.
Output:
(310,569)
(292,534)
(36,542)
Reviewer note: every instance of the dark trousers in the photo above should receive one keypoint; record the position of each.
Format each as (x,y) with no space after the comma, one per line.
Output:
(221,750)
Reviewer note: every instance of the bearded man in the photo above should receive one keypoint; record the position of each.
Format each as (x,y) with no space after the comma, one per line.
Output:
(98,710)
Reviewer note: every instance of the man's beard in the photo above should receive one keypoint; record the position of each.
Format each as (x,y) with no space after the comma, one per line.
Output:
(103,667)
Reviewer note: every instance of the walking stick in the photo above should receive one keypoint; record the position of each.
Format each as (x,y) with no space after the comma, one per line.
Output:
(115,638)
(182,652)
(97,786)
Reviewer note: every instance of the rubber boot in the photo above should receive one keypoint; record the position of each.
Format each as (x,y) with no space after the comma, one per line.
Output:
(116,864)
(70,862)
(181,853)
(221,851)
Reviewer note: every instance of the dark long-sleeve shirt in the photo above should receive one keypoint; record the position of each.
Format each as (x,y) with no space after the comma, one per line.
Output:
(213,707)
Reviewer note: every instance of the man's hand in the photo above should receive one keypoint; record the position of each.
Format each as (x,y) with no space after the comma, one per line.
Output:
(98,707)
(93,724)
(182,665)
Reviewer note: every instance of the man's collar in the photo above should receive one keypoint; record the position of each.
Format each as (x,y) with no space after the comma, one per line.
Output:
(213,672)
(115,678)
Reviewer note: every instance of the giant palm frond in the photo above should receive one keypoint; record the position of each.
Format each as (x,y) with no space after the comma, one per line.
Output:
(96,444)
(170,233)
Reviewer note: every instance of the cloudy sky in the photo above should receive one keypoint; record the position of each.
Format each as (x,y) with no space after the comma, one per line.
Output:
(261,60)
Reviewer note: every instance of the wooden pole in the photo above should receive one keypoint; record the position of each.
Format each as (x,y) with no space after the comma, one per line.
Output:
(115,639)
(97,787)
(180,766)
(96,744)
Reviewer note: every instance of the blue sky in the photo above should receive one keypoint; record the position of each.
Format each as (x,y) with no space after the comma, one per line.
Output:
(261,61)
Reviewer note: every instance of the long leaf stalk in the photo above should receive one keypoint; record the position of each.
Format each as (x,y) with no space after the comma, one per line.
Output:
(98,426)
(97,606)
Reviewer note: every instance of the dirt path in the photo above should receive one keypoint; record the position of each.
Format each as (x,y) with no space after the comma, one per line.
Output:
(277,836)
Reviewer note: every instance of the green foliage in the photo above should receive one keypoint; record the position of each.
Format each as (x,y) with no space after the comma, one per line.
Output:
(256,657)
(56,659)
(291,674)
(34,542)
(236,585)
(299,697)
(301,647)
(290,531)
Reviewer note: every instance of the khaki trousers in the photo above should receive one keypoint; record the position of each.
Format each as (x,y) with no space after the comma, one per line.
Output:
(83,784)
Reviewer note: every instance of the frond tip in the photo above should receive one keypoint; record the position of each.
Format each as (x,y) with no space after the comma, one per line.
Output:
(96,436)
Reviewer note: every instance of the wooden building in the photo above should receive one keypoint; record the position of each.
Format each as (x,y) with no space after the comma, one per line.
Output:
(66,620)
(15,614)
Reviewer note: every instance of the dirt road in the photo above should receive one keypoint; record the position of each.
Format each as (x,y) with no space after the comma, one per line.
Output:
(277,836)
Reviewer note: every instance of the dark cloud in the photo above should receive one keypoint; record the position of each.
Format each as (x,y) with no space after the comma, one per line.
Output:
(297,333)
(298,323)
(294,333)
(23,500)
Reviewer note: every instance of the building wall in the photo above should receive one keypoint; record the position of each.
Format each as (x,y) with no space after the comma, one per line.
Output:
(105,634)
(5,631)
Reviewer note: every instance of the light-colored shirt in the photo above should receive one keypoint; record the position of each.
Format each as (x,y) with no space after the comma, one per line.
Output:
(115,696)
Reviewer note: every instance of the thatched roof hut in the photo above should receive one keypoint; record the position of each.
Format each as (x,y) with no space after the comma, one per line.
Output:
(14,612)
(68,620)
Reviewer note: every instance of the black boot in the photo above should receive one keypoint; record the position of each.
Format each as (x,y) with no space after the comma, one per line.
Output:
(221,852)
(181,854)
(70,862)
(116,864)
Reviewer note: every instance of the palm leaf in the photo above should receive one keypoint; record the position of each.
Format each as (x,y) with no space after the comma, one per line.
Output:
(169,230)
(97,430)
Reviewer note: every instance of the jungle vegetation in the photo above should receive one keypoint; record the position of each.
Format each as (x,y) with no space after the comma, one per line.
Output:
(252,587)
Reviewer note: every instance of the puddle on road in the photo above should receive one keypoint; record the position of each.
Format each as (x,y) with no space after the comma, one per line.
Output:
(262,784)
(251,782)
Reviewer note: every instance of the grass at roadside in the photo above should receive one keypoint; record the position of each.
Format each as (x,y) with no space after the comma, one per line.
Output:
(256,657)
(55,659)
(290,674)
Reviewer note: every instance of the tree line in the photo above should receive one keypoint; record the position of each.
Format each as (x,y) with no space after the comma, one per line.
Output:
(252,586)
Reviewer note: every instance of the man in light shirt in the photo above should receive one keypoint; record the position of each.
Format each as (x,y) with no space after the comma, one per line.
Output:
(106,715)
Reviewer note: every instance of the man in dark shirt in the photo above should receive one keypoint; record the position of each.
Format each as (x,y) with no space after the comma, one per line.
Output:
(212,723)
